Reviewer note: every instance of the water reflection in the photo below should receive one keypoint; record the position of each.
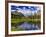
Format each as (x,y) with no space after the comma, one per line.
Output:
(27,26)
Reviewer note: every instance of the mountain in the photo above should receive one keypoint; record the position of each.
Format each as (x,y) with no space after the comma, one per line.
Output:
(16,14)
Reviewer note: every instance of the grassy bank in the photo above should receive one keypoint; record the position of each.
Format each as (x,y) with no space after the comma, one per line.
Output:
(17,21)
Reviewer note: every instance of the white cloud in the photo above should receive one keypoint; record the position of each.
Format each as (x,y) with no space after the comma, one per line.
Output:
(26,12)
(13,10)
(29,7)
(24,8)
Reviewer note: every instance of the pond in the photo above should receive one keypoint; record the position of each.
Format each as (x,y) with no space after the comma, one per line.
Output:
(26,26)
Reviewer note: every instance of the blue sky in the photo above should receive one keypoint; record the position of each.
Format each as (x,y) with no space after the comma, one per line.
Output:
(32,8)
(26,10)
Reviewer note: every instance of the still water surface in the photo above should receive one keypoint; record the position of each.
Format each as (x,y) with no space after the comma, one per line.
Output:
(28,26)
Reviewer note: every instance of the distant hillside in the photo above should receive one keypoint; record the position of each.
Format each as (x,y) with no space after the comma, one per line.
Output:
(16,14)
